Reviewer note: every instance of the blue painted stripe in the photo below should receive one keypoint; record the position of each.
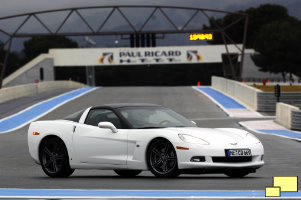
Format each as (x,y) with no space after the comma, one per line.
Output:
(286,133)
(138,193)
(28,115)
(222,99)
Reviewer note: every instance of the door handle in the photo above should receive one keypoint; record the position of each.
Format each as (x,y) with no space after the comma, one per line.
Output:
(74,127)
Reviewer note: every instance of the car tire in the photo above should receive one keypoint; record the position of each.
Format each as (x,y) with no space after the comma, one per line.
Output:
(127,173)
(237,174)
(162,159)
(54,158)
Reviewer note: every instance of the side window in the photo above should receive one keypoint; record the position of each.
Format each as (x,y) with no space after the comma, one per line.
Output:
(102,115)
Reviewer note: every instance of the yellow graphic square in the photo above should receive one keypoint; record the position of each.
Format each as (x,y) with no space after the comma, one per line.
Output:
(286,183)
(272,191)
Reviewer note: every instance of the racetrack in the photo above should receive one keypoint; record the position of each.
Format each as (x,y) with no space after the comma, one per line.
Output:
(282,156)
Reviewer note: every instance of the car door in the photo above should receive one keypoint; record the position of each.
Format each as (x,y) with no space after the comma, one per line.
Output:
(99,145)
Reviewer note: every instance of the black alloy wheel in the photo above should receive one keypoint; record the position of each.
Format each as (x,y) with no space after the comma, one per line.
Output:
(127,173)
(162,159)
(54,158)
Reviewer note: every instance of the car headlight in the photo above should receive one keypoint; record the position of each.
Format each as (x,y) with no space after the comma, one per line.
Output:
(251,138)
(192,139)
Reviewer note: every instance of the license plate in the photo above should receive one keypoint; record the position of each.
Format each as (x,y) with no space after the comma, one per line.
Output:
(238,152)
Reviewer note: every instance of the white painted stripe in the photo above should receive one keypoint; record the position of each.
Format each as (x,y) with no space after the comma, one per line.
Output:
(244,124)
(45,113)
(264,124)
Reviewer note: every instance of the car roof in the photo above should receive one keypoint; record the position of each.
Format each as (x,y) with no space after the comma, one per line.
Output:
(122,105)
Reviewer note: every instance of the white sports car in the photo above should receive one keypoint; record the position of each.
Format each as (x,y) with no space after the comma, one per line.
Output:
(130,138)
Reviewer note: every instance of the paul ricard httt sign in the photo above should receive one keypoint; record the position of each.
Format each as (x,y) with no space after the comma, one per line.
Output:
(141,56)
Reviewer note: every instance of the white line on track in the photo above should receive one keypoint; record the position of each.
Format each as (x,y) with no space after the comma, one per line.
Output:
(45,113)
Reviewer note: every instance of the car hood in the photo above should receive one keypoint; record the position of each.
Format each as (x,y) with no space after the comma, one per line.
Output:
(211,135)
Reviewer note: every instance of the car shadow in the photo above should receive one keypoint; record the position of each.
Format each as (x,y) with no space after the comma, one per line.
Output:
(199,177)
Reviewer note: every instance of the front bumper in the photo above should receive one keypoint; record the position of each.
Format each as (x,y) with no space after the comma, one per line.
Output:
(215,158)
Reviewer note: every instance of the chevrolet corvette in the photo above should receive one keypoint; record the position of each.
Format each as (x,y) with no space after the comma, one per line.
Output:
(131,138)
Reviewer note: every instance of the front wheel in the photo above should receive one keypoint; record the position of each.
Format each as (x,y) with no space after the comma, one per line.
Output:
(162,159)
(127,173)
(54,158)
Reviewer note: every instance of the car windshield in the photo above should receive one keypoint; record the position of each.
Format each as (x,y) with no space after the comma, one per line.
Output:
(154,117)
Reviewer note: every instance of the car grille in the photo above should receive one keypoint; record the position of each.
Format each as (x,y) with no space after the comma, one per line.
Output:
(232,159)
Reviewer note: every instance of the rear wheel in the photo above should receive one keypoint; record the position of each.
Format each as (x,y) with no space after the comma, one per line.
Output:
(54,158)
(127,173)
(237,174)
(162,159)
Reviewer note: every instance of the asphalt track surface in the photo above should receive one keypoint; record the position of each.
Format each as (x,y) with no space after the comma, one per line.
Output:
(17,169)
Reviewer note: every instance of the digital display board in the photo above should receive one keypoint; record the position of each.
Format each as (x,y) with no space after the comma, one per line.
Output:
(201,36)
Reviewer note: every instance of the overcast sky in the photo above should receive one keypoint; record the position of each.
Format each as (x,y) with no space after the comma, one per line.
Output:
(13,7)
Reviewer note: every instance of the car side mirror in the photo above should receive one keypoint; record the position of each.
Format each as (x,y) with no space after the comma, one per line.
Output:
(108,125)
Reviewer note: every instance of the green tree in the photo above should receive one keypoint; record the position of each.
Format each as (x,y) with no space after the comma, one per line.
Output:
(37,45)
(258,17)
(278,48)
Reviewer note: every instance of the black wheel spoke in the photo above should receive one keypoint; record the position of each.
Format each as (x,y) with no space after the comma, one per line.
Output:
(48,162)
(155,151)
(157,163)
(47,151)
(60,157)
(171,158)
(55,167)
(166,149)
(164,167)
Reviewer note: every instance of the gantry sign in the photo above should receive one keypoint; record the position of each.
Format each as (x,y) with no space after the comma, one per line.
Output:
(103,19)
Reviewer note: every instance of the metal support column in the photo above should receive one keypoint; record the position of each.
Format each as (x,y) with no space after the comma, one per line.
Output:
(243,46)
(90,74)
(5,62)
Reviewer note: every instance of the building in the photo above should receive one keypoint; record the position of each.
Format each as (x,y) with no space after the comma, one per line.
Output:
(176,65)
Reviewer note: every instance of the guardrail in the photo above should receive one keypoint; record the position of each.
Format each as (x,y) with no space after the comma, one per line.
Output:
(240,91)
(296,120)
(288,116)
(267,101)
(15,92)
(252,97)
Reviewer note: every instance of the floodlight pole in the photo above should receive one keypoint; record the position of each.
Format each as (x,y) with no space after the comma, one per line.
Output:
(243,45)
(5,61)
